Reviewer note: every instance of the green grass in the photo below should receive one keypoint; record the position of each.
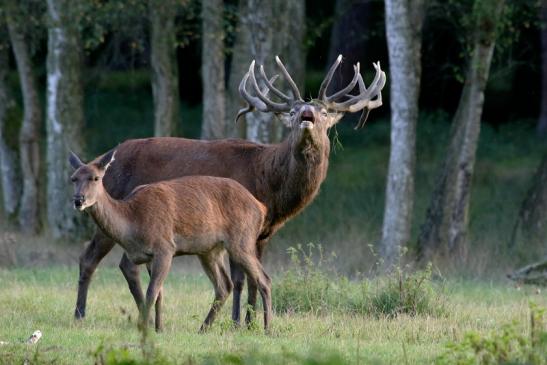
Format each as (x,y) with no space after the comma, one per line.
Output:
(43,299)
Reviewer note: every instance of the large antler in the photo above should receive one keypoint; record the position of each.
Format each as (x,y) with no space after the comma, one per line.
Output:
(260,101)
(366,99)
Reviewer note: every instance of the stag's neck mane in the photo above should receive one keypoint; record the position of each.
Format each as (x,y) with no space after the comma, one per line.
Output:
(294,173)
(111,216)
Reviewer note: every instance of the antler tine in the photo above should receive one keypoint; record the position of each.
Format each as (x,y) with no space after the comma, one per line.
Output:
(270,105)
(292,84)
(328,78)
(364,98)
(251,100)
(348,88)
(274,90)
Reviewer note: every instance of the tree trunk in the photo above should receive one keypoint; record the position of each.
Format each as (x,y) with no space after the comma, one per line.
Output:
(163,59)
(29,151)
(212,69)
(403,26)
(261,36)
(531,227)
(65,119)
(9,161)
(542,122)
(445,227)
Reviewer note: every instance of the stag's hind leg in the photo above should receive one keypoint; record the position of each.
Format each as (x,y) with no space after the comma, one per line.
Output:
(99,246)
(213,264)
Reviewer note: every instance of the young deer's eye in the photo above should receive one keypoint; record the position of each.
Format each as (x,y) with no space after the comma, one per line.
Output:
(96,178)
(73,179)
(292,113)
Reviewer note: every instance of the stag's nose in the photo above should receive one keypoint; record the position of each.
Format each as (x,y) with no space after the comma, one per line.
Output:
(307,114)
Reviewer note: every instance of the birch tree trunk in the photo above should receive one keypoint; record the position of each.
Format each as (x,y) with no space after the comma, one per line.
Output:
(445,228)
(9,161)
(212,69)
(264,30)
(542,122)
(531,226)
(403,26)
(65,119)
(163,59)
(29,151)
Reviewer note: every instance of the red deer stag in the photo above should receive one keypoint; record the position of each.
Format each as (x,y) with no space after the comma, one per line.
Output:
(192,215)
(284,176)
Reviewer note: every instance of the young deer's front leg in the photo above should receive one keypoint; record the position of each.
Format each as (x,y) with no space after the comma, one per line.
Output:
(159,268)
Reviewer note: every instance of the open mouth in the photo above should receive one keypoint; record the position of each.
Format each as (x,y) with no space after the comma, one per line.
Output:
(307,119)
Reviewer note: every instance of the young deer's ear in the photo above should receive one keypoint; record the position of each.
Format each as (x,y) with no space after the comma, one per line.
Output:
(106,160)
(74,161)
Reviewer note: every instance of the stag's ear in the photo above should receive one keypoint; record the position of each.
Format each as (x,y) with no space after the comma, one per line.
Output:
(106,160)
(74,161)
(333,118)
(285,118)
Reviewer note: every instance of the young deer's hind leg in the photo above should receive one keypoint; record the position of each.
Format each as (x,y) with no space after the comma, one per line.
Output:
(256,274)
(159,301)
(159,268)
(213,264)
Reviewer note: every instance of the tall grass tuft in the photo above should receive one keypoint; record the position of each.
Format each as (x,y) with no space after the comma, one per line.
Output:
(311,285)
(508,346)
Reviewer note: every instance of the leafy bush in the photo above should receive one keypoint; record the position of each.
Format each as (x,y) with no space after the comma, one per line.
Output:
(510,346)
(311,285)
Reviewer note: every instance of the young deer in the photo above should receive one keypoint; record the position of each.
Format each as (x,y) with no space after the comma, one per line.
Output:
(194,215)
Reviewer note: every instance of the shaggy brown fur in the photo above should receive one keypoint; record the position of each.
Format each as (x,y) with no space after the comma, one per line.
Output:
(193,215)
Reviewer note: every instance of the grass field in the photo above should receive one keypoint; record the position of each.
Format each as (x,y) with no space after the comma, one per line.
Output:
(44,298)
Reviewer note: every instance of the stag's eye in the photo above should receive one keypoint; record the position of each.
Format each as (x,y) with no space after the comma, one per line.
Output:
(96,178)
(324,113)
(73,179)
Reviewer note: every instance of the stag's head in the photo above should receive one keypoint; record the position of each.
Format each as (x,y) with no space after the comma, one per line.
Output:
(87,179)
(310,120)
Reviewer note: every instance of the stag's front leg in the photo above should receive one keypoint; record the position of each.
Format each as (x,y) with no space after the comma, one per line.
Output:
(99,246)
(159,268)
(238,279)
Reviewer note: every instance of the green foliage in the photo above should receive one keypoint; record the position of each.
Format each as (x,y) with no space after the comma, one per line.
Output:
(310,285)
(506,346)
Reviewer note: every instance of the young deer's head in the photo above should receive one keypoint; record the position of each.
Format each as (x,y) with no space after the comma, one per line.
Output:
(87,179)
(310,121)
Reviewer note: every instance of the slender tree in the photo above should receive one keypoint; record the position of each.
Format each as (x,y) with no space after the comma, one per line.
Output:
(163,59)
(65,118)
(212,70)
(542,122)
(29,151)
(265,28)
(403,26)
(9,162)
(445,227)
